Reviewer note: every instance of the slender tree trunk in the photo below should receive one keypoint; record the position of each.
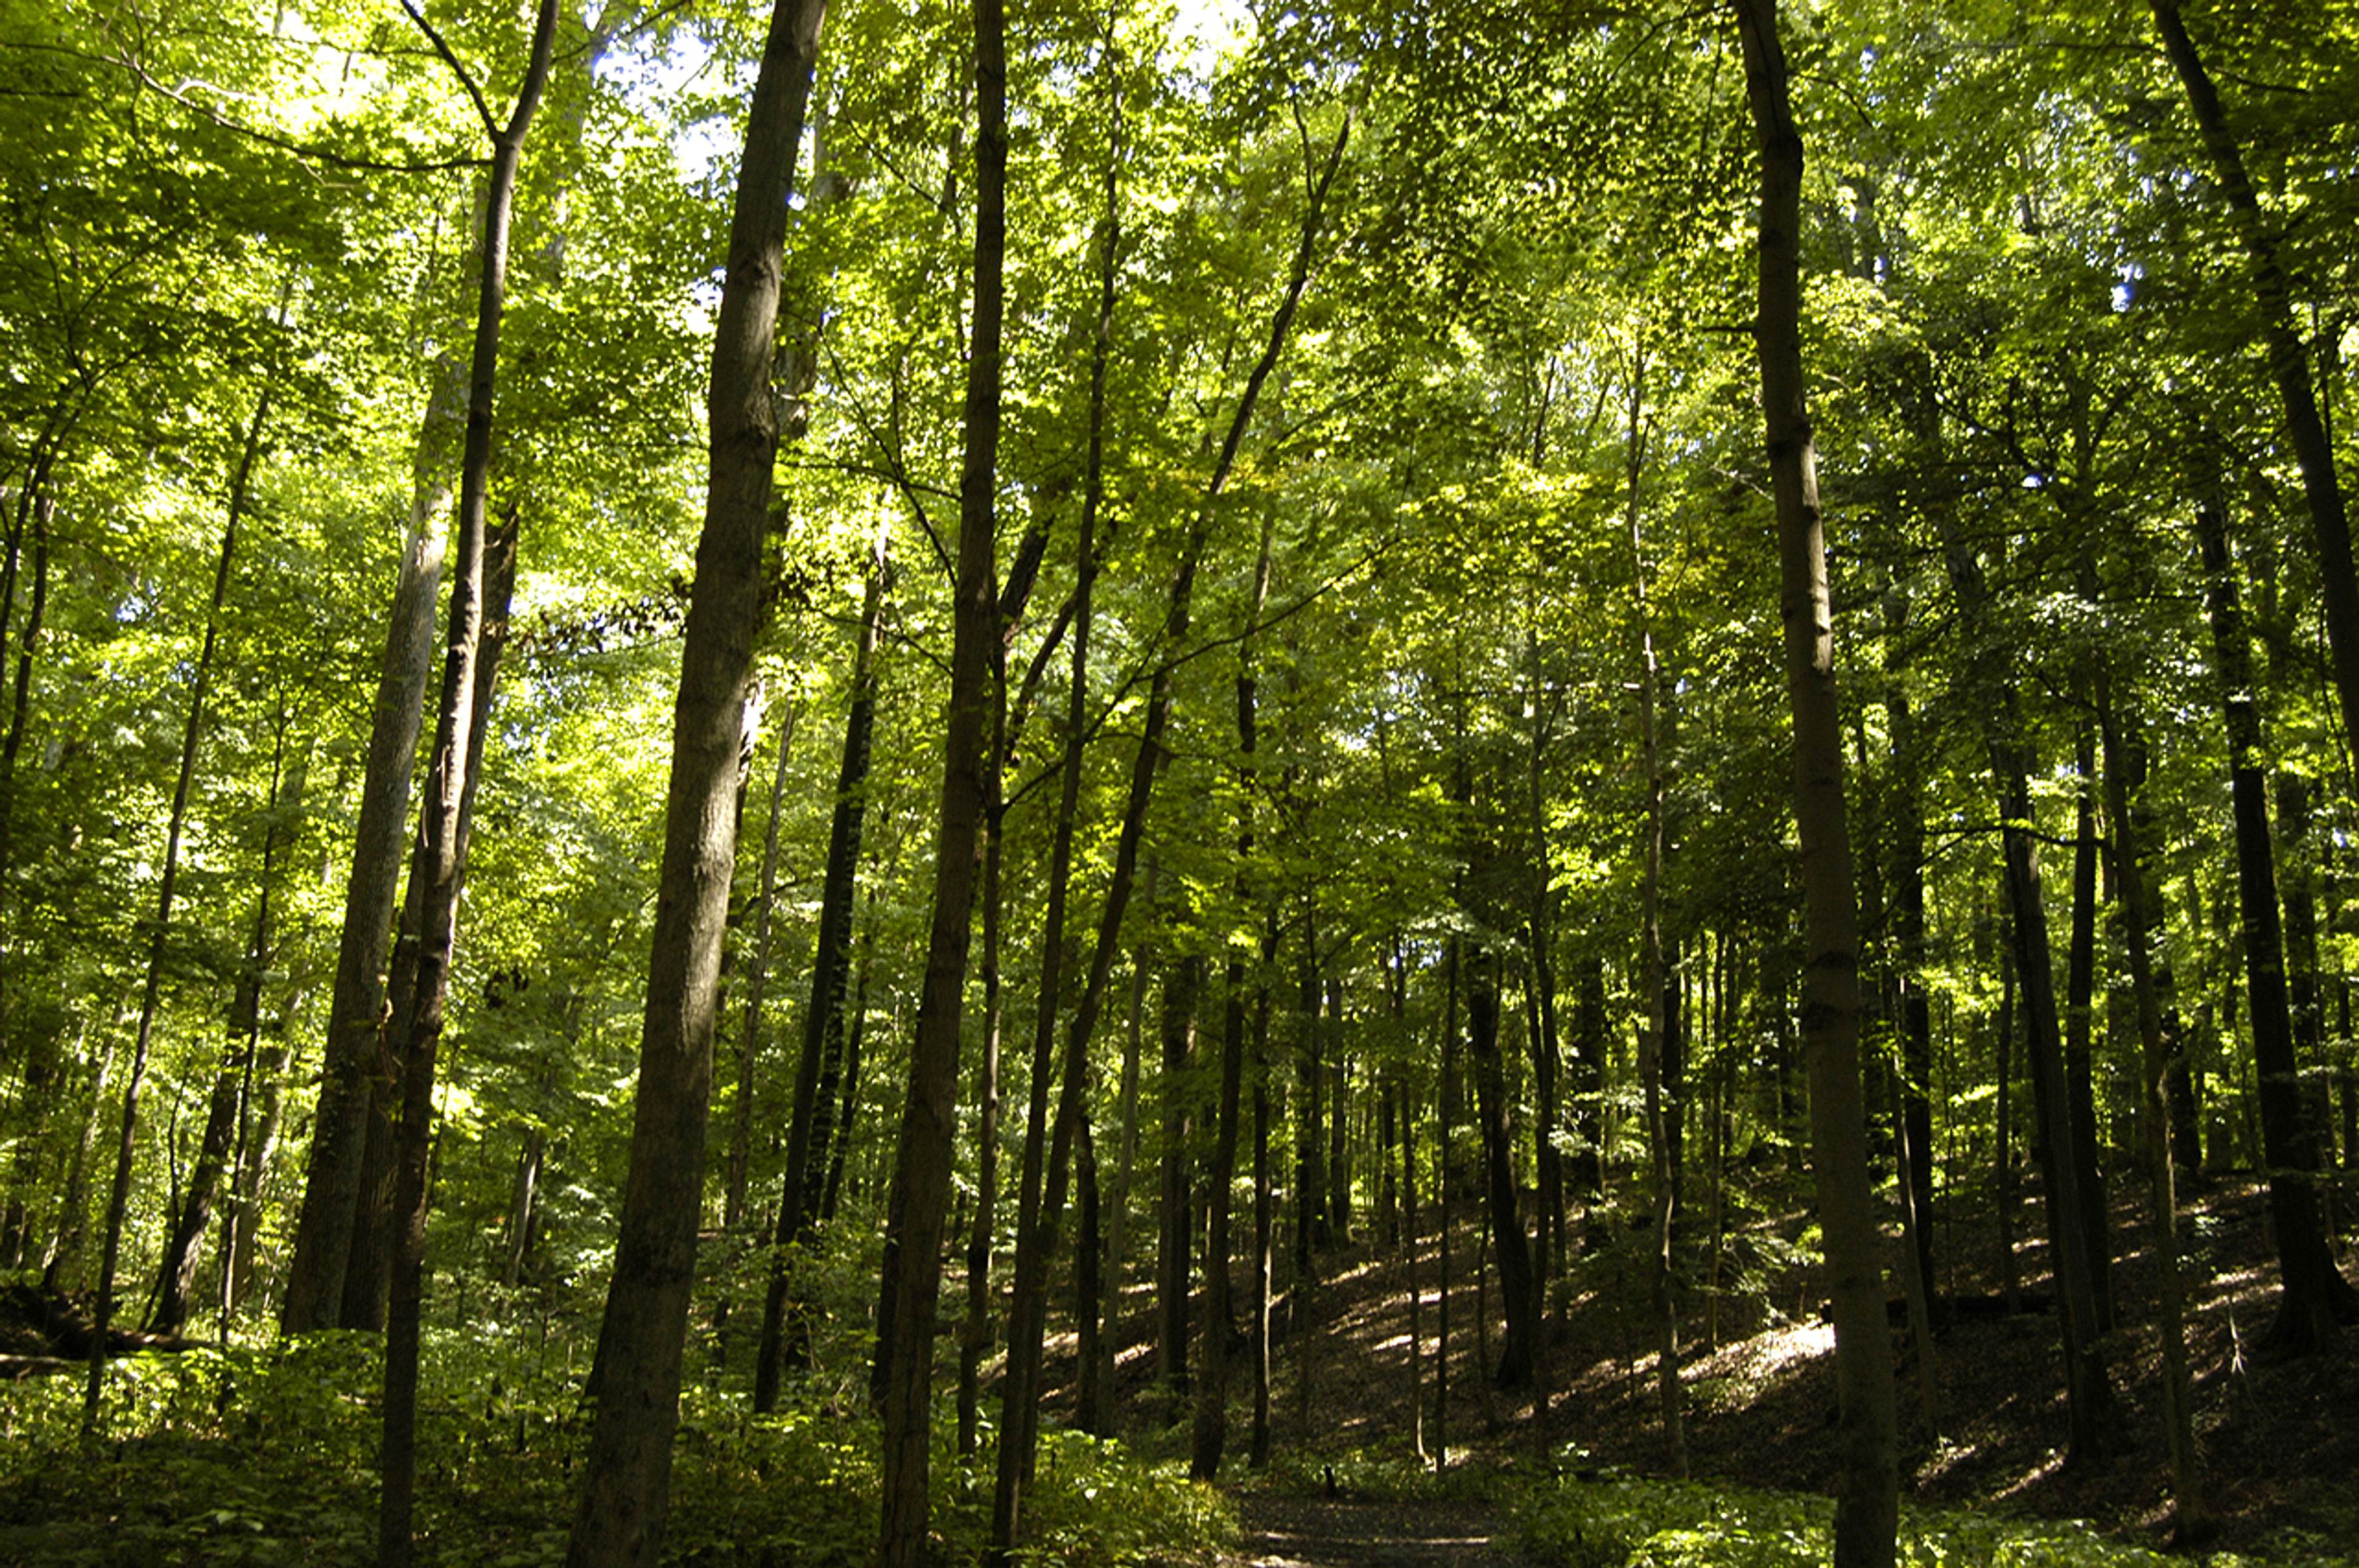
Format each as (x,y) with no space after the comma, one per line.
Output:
(1867,1490)
(33,510)
(332,1182)
(782,1344)
(2191,1524)
(1265,1207)
(1658,1048)
(1913,1012)
(922,1174)
(1126,1163)
(1211,1424)
(1036,1216)
(625,1482)
(2306,430)
(217,1151)
(1182,979)
(441,868)
(1519,1347)
(474,629)
(2314,1289)
(735,1223)
(975,1337)
(758,983)
(1444,1101)
(200,686)
(2080,986)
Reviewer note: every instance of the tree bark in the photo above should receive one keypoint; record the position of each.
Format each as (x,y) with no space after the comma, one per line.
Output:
(922,1173)
(1867,1490)
(625,1482)
(200,686)
(2080,1075)
(2191,1522)
(1519,1346)
(332,1187)
(784,1345)
(1210,1433)
(2315,1293)
(1182,979)
(224,1111)
(1659,1035)
(440,869)
(757,982)
(2306,430)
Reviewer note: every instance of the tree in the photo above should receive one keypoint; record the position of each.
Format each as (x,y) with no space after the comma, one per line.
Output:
(1867,1494)
(626,1478)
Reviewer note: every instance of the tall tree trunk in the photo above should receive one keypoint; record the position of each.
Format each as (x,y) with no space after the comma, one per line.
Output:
(1036,1210)
(33,509)
(783,1345)
(626,1483)
(440,869)
(1914,1013)
(758,984)
(200,686)
(1659,1035)
(224,1113)
(1540,927)
(1519,1347)
(1182,979)
(922,1174)
(2192,1521)
(1212,1423)
(2079,1077)
(1867,1490)
(2012,763)
(332,1187)
(1445,1099)
(474,628)
(1264,1206)
(2315,1295)
(2306,430)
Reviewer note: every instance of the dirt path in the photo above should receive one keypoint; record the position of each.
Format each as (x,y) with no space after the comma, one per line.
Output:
(1331,1532)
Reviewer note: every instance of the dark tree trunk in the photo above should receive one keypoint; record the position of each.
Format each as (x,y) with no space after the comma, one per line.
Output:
(217,1149)
(2124,771)
(1867,1490)
(2306,431)
(625,1481)
(488,560)
(2080,1077)
(1210,1433)
(1519,1347)
(334,1176)
(1658,1036)
(1265,1203)
(1182,979)
(734,1191)
(1588,1076)
(824,1018)
(2314,1289)
(200,683)
(922,1173)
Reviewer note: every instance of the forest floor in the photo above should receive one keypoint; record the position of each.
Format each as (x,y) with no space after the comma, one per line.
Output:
(2278,1438)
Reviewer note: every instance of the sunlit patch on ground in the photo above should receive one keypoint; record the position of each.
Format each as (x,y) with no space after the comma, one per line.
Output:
(1747,1368)
(2045,1470)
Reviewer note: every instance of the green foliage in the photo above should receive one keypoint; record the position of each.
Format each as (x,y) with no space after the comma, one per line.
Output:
(1620,1523)
(268,1456)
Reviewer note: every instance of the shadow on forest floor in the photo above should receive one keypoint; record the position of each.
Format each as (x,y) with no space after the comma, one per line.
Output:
(2279,1439)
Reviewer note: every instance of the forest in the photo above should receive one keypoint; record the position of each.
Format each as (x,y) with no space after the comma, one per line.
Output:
(927,784)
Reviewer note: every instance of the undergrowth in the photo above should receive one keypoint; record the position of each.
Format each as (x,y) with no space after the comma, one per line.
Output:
(1630,1523)
(268,1455)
